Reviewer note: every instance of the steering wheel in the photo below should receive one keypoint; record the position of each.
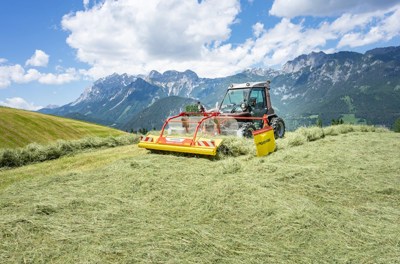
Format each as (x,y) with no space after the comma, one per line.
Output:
(234,108)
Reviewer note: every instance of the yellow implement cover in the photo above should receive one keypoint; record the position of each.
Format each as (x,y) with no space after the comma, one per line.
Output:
(265,141)
(201,146)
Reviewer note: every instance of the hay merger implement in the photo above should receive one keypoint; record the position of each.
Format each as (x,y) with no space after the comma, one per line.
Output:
(245,111)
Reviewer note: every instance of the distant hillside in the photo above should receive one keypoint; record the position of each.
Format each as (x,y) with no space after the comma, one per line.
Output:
(111,101)
(155,115)
(19,128)
(366,86)
(119,100)
(359,88)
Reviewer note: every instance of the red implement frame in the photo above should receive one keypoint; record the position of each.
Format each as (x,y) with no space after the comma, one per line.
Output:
(192,144)
(217,115)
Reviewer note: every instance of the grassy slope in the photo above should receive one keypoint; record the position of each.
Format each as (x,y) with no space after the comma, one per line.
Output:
(19,128)
(332,200)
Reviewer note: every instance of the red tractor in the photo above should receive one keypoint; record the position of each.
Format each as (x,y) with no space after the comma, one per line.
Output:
(245,111)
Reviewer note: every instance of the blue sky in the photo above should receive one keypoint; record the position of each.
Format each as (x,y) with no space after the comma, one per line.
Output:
(51,50)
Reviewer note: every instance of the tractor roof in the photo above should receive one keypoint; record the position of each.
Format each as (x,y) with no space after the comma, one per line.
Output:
(248,85)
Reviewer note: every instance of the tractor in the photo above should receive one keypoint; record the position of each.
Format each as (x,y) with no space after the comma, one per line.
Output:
(247,101)
(246,110)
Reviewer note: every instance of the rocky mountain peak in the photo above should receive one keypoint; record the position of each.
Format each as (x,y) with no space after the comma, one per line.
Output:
(171,75)
(191,74)
(380,51)
(312,60)
(154,74)
(332,84)
(105,87)
(114,80)
(261,72)
(385,54)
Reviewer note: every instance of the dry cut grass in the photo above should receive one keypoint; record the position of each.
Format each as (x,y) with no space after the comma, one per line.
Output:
(234,146)
(331,200)
(39,153)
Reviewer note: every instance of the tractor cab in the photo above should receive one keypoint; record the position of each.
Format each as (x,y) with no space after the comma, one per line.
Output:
(249,99)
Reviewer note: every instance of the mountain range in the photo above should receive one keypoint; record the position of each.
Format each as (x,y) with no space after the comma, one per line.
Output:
(361,88)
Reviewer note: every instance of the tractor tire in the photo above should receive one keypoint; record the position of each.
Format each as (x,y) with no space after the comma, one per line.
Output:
(279,127)
(246,130)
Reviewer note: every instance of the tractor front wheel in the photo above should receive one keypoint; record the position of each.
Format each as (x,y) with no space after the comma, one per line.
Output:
(279,127)
(246,130)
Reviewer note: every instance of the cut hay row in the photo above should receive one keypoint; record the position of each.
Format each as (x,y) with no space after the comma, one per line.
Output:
(233,146)
(38,153)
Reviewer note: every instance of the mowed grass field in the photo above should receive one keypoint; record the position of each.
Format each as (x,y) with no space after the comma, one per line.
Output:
(332,200)
(19,128)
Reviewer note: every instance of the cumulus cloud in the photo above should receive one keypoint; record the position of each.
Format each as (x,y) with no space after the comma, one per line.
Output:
(17,74)
(132,37)
(127,35)
(67,76)
(86,4)
(20,103)
(385,29)
(290,9)
(258,29)
(38,59)
(287,39)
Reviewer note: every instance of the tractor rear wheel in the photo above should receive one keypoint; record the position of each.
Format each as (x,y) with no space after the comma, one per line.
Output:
(279,127)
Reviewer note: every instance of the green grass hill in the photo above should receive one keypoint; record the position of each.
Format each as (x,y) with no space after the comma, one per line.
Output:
(18,128)
(325,196)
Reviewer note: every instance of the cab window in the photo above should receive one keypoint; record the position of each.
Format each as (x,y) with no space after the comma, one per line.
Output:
(257,98)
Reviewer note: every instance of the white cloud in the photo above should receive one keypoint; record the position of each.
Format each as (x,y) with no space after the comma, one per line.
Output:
(17,74)
(39,59)
(86,4)
(132,37)
(20,103)
(127,36)
(387,28)
(258,29)
(289,8)
(287,40)
(66,77)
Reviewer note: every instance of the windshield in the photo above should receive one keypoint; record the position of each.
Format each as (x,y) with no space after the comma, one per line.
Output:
(233,99)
